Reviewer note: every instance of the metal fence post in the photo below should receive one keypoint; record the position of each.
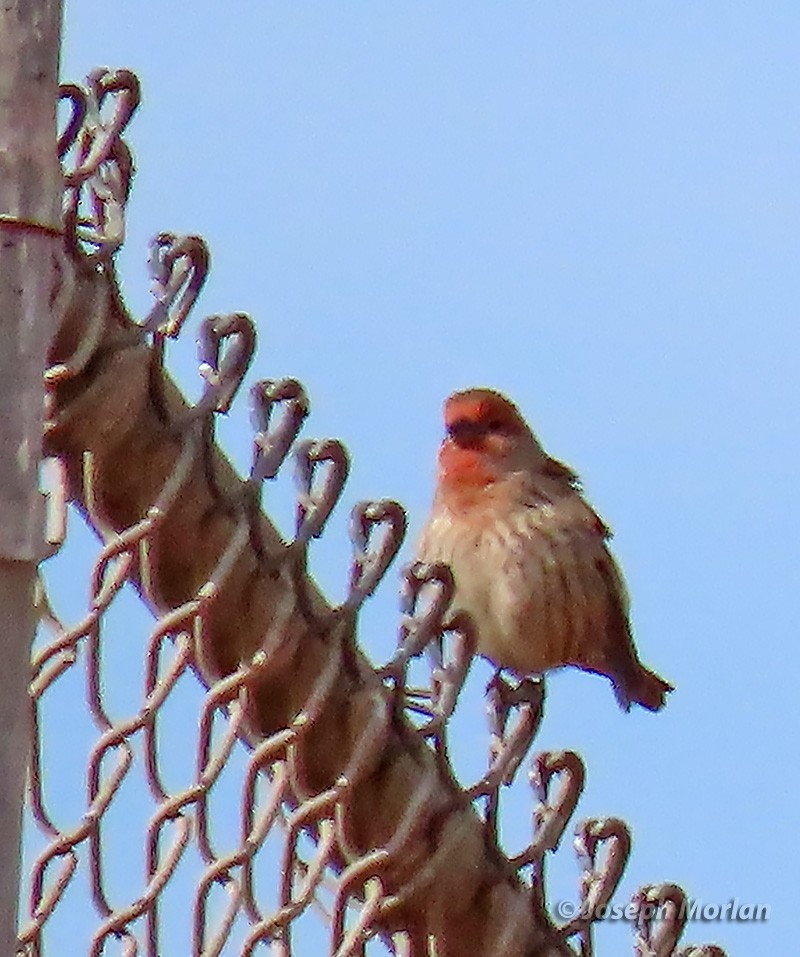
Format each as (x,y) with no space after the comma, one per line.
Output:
(30,194)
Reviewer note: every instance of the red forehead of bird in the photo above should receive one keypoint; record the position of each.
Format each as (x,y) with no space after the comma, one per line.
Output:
(484,407)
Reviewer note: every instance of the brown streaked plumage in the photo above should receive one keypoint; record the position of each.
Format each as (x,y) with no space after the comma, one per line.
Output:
(528,554)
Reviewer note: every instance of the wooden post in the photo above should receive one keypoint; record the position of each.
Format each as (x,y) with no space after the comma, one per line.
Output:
(30,205)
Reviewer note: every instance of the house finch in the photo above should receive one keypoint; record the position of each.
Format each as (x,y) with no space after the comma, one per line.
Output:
(529,557)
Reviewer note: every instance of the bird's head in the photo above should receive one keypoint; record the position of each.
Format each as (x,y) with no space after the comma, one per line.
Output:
(486,439)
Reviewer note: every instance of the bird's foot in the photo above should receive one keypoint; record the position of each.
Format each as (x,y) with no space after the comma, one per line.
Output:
(419,701)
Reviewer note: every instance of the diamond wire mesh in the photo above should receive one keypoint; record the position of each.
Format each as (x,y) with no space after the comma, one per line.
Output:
(127,746)
(245,768)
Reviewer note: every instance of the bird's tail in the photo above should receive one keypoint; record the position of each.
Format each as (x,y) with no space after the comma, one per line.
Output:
(645,688)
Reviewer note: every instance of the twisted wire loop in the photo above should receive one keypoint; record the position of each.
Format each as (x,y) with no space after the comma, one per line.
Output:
(97,163)
(282,775)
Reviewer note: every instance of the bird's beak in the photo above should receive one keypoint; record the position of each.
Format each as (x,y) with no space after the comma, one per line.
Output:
(465,432)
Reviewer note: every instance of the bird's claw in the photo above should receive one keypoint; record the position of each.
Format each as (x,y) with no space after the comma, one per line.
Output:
(419,701)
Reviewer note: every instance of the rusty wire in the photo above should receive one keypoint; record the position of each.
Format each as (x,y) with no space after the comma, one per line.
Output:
(305,829)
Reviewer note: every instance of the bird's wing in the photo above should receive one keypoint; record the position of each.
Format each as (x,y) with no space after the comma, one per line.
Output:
(558,470)
(562,484)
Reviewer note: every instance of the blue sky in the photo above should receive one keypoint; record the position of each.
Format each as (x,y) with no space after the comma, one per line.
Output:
(593,207)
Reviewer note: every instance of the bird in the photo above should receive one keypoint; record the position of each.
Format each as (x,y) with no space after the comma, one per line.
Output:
(529,556)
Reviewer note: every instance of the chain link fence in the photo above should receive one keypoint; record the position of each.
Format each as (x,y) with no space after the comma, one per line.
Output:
(216,768)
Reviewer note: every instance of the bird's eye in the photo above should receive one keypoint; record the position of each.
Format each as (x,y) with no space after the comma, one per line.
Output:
(496,425)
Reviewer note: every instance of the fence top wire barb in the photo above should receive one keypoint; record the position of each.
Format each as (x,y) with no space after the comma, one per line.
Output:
(346,803)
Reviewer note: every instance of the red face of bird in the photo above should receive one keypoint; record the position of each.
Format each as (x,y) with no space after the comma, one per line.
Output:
(486,437)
